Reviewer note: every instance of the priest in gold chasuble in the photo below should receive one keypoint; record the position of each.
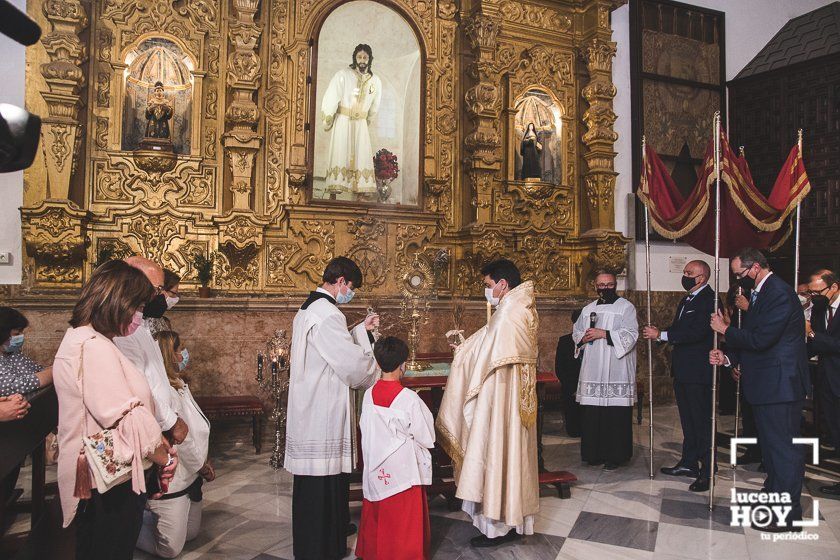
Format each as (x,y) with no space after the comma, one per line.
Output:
(487,419)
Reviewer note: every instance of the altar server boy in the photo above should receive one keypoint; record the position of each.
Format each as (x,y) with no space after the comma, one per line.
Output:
(397,433)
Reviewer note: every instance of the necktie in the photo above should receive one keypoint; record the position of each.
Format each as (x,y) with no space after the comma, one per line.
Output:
(753,297)
(685,302)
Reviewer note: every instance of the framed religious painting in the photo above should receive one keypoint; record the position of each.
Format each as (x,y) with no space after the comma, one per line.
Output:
(538,126)
(367,109)
(677,76)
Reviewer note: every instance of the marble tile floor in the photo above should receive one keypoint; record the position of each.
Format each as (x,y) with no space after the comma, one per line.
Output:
(611,515)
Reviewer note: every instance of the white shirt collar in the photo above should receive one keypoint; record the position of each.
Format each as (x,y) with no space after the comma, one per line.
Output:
(323,291)
(763,280)
(836,303)
(698,290)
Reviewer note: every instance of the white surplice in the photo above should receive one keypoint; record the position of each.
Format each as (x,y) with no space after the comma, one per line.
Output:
(350,102)
(144,352)
(395,445)
(326,362)
(608,372)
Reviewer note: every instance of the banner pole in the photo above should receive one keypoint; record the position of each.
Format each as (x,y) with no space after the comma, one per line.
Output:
(649,341)
(738,382)
(712,454)
(798,216)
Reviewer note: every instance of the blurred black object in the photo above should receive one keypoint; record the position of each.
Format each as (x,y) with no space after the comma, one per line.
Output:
(19,134)
(19,129)
(17,25)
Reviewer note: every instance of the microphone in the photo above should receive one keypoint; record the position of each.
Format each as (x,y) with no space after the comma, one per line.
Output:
(17,25)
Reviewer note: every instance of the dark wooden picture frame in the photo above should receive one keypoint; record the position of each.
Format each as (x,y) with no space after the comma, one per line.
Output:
(683,28)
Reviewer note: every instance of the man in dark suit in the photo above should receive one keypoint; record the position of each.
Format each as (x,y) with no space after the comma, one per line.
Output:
(824,342)
(692,338)
(567,370)
(772,356)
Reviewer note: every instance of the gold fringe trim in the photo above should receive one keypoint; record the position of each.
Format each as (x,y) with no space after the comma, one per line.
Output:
(450,446)
(528,396)
(802,183)
(776,224)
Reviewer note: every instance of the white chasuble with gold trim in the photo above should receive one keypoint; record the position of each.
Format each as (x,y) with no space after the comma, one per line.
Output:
(487,418)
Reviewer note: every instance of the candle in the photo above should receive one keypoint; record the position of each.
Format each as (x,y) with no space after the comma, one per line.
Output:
(489,311)
(274,369)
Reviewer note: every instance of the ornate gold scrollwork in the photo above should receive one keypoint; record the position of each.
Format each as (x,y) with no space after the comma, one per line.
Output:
(240,189)
(54,236)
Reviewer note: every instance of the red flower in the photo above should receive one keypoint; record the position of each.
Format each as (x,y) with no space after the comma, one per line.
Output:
(385,165)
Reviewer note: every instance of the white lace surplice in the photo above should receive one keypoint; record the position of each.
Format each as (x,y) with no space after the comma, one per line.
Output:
(608,373)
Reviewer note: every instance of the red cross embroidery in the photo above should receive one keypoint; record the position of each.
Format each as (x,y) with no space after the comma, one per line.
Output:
(383,476)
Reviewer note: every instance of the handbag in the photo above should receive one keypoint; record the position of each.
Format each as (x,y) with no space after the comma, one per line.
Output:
(108,470)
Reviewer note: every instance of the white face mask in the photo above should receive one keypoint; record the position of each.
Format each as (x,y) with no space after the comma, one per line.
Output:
(171,301)
(488,295)
(344,298)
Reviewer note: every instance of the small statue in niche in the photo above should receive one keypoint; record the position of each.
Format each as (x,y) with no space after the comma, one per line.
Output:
(159,111)
(530,150)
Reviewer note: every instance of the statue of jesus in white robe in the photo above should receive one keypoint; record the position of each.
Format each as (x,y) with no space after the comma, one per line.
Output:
(349,105)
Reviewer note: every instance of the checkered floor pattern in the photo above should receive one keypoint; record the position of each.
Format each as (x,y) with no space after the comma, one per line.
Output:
(621,514)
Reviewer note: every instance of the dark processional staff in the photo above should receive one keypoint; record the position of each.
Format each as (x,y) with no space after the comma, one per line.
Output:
(687,218)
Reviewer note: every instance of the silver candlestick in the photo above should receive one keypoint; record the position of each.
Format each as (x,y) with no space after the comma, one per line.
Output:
(276,357)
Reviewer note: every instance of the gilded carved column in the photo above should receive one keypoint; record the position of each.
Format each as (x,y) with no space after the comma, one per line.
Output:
(599,138)
(608,249)
(61,130)
(483,143)
(241,142)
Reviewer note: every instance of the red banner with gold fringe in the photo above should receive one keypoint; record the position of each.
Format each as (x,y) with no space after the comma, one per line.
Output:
(747,218)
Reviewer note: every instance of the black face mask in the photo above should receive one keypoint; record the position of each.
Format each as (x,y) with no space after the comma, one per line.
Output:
(607,295)
(688,283)
(747,282)
(155,308)
(819,300)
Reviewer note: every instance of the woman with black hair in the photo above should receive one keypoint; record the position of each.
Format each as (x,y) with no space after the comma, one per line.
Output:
(19,374)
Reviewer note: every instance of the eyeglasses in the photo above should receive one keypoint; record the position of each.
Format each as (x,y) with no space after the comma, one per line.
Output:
(743,273)
(813,293)
(605,286)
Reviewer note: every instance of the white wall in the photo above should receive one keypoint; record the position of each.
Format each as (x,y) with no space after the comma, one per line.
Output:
(12,68)
(750,24)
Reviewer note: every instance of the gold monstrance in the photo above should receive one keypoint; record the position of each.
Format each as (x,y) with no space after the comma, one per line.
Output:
(418,288)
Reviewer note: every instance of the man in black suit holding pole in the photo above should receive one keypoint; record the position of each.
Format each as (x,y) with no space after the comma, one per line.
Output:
(824,341)
(692,338)
(770,350)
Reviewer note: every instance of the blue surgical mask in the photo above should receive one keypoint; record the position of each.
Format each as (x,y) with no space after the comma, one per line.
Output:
(344,298)
(14,344)
(185,359)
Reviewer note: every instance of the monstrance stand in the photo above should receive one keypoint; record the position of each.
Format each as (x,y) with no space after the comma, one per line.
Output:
(417,288)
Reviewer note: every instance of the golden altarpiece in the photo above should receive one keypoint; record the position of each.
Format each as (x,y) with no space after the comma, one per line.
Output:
(235,85)
(239,186)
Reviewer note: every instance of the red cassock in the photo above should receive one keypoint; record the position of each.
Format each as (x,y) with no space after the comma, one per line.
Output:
(396,528)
